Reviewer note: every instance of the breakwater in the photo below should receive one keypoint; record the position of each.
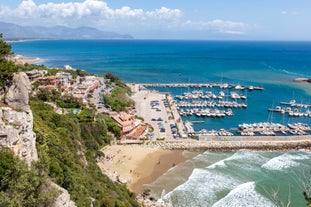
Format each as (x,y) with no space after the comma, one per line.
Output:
(201,85)
(257,144)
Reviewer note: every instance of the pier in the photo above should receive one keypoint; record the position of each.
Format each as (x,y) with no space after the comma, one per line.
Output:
(201,85)
(293,109)
(177,119)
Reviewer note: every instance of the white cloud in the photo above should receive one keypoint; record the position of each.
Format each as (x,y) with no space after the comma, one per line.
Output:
(164,13)
(26,8)
(289,13)
(87,9)
(126,12)
(98,14)
(218,25)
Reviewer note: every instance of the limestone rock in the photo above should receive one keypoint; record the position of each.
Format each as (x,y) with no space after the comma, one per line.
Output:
(17,96)
(16,133)
(63,200)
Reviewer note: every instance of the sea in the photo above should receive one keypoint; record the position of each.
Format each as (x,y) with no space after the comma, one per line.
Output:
(238,178)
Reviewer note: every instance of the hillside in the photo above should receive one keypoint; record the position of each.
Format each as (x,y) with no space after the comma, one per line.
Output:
(39,148)
(13,31)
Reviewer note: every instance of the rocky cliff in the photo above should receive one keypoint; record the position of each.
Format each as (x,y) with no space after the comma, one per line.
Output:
(63,200)
(16,120)
(16,128)
(16,133)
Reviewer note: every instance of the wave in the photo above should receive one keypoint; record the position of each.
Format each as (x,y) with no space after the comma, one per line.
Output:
(285,161)
(285,71)
(232,181)
(295,74)
(202,188)
(243,156)
(244,195)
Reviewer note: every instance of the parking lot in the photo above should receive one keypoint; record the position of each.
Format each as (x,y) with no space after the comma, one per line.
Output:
(153,107)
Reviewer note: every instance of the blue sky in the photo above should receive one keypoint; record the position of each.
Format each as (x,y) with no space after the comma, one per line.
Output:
(171,19)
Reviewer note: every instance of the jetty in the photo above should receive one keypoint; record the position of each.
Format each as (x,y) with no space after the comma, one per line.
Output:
(200,85)
(281,143)
(293,108)
(176,116)
(270,129)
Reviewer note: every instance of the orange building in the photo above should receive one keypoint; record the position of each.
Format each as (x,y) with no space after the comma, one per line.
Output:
(125,121)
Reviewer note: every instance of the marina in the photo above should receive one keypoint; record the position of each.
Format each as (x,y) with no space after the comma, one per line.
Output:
(196,104)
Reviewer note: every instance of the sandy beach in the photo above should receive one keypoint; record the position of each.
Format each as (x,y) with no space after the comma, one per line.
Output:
(137,165)
(22,60)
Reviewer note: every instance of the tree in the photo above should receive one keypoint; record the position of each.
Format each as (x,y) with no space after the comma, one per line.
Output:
(7,68)
(5,49)
(23,186)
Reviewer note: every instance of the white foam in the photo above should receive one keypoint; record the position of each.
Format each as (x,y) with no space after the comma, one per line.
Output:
(220,163)
(244,195)
(201,189)
(284,161)
(242,156)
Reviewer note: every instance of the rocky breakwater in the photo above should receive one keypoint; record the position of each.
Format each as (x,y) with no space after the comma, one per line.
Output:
(16,127)
(279,145)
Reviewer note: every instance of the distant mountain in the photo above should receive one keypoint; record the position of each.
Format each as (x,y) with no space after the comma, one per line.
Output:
(13,31)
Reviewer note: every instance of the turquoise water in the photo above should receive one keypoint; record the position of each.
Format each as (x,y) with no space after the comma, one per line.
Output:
(238,179)
(241,178)
(272,65)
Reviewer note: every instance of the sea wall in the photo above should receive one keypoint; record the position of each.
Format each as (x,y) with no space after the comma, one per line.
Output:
(260,145)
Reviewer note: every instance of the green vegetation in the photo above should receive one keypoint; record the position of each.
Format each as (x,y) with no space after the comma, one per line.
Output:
(7,68)
(68,146)
(28,67)
(112,126)
(116,80)
(21,186)
(160,139)
(119,99)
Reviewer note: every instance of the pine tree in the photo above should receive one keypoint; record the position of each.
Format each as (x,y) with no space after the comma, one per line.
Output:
(7,67)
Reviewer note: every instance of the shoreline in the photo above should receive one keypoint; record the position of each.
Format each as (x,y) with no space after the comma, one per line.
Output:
(136,165)
(139,164)
(165,162)
(22,59)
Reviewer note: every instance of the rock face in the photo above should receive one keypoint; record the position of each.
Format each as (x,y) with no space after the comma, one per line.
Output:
(16,133)
(16,129)
(18,93)
(16,121)
(63,200)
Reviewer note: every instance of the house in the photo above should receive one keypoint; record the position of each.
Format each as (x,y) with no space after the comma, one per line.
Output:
(132,129)
(34,74)
(125,121)
(63,78)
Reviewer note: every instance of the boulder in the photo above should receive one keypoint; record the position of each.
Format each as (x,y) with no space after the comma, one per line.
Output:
(16,133)
(17,96)
(63,200)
